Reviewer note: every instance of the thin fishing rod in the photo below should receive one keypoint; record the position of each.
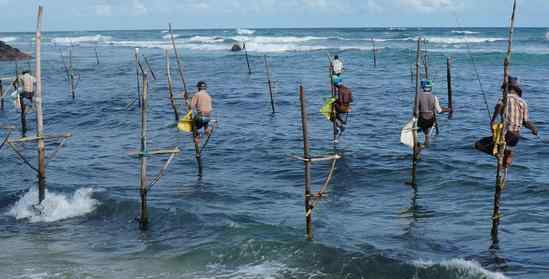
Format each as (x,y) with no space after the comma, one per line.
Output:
(469,52)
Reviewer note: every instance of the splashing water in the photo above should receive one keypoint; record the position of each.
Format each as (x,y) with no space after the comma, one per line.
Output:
(55,207)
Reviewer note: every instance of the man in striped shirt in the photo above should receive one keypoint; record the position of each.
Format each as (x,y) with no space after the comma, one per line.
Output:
(515,117)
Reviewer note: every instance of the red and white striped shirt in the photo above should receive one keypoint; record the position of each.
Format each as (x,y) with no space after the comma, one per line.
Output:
(516,113)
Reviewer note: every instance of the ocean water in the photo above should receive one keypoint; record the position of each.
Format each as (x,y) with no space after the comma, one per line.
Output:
(244,218)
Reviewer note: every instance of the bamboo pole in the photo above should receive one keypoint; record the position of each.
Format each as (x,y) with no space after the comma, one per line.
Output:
(1,96)
(425,59)
(170,86)
(39,112)
(374,51)
(307,163)
(196,135)
(23,116)
(501,171)
(334,93)
(449,80)
(149,67)
(96,55)
(269,83)
(179,66)
(247,59)
(136,57)
(71,75)
(416,114)
(144,219)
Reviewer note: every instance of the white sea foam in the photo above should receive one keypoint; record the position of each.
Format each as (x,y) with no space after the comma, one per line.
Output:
(169,36)
(462,267)
(243,31)
(206,39)
(8,39)
(55,207)
(464,32)
(142,44)
(276,40)
(82,39)
(458,40)
(547,36)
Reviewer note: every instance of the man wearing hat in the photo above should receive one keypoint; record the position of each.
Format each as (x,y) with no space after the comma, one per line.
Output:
(514,118)
(427,106)
(201,103)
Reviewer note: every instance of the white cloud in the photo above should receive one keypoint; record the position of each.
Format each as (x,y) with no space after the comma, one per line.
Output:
(138,8)
(428,5)
(103,10)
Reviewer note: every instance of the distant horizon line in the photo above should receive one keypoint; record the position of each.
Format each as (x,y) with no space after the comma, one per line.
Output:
(281,28)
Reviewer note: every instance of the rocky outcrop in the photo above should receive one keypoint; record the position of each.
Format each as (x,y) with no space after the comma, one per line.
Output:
(236,48)
(8,53)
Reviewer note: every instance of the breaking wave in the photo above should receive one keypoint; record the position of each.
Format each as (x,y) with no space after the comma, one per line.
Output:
(459,40)
(462,268)
(547,36)
(242,31)
(8,39)
(82,39)
(466,32)
(55,207)
(167,36)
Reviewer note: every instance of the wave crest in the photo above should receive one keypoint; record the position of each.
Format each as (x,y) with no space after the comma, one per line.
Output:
(55,207)
(82,39)
(243,31)
(467,269)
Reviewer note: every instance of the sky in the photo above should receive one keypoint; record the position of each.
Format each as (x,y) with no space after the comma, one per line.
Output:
(65,15)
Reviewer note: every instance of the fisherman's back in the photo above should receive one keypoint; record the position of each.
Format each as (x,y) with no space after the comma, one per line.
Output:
(202,102)
(516,113)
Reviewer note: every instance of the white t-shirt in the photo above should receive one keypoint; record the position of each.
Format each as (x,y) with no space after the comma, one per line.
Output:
(337,66)
(28,83)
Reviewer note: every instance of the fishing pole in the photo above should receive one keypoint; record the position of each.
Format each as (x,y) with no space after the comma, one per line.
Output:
(475,68)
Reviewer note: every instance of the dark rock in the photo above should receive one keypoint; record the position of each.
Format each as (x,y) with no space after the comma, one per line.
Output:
(8,53)
(236,47)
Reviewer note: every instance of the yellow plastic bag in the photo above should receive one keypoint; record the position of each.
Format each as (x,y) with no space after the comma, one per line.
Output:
(497,136)
(186,123)
(326,109)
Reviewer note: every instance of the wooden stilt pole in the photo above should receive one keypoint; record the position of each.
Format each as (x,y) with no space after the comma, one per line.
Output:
(96,55)
(247,59)
(501,170)
(170,86)
(334,93)
(179,66)
(425,59)
(149,67)
(23,116)
(307,163)
(449,80)
(412,75)
(196,134)
(1,96)
(374,50)
(136,57)
(269,83)
(144,218)
(416,114)
(71,75)
(39,112)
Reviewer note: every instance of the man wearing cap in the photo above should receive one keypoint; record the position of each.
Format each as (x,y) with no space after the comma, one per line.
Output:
(427,106)
(514,118)
(201,103)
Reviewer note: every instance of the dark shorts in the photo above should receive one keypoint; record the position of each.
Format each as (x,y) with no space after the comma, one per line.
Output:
(201,121)
(27,95)
(425,124)
(486,144)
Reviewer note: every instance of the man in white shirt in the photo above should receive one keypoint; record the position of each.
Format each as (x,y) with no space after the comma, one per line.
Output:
(337,66)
